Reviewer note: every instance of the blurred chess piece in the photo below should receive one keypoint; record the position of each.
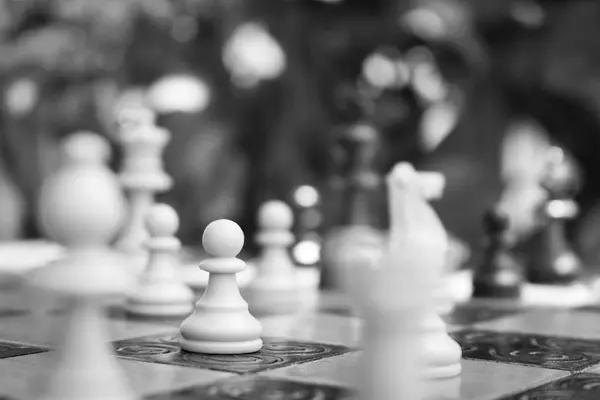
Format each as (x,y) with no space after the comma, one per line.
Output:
(82,207)
(161,291)
(418,238)
(142,176)
(498,275)
(12,209)
(356,202)
(275,268)
(432,185)
(522,165)
(551,258)
(391,300)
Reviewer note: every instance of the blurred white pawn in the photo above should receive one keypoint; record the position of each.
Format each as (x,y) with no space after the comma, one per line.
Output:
(82,207)
(161,291)
(221,322)
(275,269)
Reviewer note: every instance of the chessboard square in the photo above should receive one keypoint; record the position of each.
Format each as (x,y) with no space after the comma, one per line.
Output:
(529,349)
(465,315)
(275,353)
(461,316)
(337,371)
(45,329)
(15,349)
(12,312)
(584,386)
(551,322)
(594,308)
(257,387)
(479,380)
(118,313)
(24,377)
(321,328)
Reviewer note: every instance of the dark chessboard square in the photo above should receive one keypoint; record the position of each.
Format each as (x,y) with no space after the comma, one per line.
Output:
(12,312)
(275,353)
(589,308)
(575,387)
(472,314)
(12,349)
(565,354)
(257,387)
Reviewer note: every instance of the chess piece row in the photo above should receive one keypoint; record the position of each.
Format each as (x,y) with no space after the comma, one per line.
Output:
(82,206)
(546,257)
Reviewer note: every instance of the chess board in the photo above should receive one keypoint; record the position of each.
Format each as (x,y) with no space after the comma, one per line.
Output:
(509,352)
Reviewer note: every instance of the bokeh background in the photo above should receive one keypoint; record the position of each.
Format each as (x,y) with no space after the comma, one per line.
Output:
(254,91)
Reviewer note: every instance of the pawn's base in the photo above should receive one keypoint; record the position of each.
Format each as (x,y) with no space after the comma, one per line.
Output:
(159,310)
(442,372)
(208,347)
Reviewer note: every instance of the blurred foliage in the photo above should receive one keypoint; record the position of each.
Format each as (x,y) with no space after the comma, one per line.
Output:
(502,57)
(73,36)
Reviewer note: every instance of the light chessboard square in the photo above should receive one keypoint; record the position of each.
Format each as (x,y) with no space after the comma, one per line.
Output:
(258,387)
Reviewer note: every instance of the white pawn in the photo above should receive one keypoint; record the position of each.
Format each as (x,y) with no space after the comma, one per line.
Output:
(275,269)
(161,291)
(221,322)
(82,207)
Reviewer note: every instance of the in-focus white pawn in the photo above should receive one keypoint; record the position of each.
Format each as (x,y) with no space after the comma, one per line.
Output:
(275,269)
(161,291)
(221,322)
(82,208)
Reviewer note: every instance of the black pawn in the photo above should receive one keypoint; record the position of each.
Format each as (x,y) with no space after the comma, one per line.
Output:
(360,150)
(499,274)
(551,258)
(356,199)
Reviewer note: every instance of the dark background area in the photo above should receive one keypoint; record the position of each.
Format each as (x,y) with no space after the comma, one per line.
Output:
(65,64)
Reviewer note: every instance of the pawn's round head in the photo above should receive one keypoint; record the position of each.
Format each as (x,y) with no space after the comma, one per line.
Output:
(162,221)
(275,214)
(86,147)
(223,238)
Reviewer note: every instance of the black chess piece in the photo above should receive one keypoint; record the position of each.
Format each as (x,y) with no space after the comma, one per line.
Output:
(499,274)
(356,203)
(552,259)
